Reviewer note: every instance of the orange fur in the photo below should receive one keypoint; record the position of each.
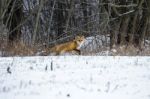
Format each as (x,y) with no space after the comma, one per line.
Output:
(69,46)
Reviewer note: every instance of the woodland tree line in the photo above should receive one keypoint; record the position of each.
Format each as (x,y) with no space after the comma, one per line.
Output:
(53,21)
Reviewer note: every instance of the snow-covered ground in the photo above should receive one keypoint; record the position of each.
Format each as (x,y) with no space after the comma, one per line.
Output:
(75,77)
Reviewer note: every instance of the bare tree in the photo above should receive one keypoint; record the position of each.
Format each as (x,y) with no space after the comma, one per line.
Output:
(12,18)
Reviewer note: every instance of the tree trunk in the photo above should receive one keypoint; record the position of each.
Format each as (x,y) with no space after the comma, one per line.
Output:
(144,24)
(13,18)
(85,14)
(70,12)
(60,18)
(124,30)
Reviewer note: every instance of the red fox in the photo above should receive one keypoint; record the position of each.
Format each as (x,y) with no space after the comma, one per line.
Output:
(69,46)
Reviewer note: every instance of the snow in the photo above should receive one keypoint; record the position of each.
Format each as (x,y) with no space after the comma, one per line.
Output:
(75,77)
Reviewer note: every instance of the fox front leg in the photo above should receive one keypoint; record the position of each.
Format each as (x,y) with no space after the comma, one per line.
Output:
(78,51)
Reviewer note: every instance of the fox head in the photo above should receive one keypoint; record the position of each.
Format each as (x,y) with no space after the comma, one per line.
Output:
(79,40)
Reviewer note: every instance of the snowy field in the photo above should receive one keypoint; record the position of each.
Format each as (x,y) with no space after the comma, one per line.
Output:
(75,77)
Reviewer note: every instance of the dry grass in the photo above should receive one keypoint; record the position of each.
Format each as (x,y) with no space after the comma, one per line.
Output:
(19,49)
(131,50)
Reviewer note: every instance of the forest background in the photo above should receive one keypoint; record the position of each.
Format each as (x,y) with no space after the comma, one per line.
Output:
(27,26)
